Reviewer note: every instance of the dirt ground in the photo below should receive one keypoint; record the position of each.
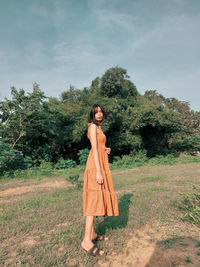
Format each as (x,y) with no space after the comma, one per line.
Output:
(144,249)
(147,246)
(11,192)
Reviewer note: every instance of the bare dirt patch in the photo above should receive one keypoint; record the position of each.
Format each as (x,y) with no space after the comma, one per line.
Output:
(16,191)
(158,245)
(29,241)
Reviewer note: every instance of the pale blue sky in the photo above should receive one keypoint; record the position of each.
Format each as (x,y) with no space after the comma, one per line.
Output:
(61,42)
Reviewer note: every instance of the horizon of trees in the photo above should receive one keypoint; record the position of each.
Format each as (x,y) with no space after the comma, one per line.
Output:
(41,128)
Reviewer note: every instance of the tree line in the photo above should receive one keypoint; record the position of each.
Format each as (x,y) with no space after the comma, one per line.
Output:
(36,128)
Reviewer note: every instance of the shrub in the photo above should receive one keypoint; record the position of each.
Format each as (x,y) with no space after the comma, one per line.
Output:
(170,159)
(73,179)
(190,159)
(65,164)
(189,143)
(83,155)
(45,168)
(190,205)
(141,154)
(116,158)
(12,159)
(139,158)
(134,159)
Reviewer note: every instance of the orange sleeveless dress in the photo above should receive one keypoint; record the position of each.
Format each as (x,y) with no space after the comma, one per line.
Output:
(99,199)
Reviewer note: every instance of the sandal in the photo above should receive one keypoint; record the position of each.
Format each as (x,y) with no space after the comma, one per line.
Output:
(100,238)
(94,251)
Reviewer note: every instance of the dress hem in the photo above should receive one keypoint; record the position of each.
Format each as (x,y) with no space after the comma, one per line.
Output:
(101,215)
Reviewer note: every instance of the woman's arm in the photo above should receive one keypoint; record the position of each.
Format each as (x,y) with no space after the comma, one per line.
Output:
(93,139)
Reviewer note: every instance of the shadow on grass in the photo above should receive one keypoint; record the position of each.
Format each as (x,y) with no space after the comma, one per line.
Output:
(175,252)
(118,221)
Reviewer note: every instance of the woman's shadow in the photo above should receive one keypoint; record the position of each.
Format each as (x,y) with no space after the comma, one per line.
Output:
(118,221)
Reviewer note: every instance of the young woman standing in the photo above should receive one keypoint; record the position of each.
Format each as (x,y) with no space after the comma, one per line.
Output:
(99,198)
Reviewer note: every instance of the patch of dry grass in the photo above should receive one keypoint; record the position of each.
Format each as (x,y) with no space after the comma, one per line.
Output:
(45,227)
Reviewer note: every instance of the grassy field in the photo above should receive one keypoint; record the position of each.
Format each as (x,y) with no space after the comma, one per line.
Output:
(42,222)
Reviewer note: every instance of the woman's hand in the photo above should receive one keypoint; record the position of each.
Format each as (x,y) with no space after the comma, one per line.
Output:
(107,149)
(99,177)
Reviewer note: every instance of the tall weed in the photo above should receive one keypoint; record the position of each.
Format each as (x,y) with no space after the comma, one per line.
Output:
(190,205)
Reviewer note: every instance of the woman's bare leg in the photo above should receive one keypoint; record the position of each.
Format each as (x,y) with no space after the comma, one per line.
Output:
(87,240)
(93,233)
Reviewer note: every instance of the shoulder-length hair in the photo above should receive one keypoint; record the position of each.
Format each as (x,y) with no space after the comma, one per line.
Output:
(93,111)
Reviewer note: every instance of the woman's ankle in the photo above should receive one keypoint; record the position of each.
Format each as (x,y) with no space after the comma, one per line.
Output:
(86,240)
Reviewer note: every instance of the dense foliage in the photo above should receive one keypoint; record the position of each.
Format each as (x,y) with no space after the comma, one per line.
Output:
(55,129)
(11,159)
(191,205)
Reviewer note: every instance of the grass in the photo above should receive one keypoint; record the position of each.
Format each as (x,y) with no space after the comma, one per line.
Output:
(167,242)
(198,252)
(183,243)
(127,182)
(40,217)
(126,162)
(46,228)
(37,173)
(188,259)
(198,245)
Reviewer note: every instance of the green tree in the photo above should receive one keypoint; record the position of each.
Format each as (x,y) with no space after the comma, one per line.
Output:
(25,122)
(11,159)
(184,138)
(115,82)
(20,113)
(55,128)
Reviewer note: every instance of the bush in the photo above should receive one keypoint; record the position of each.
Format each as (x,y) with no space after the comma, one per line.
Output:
(83,155)
(116,158)
(45,168)
(73,179)
(137,159)
(12,159)
(140,155)
(189,144)
(190,159)
(65,164)
(191,205)
(130,161)
(170,159)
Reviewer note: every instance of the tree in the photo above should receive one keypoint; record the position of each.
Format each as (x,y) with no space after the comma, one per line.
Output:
(186,137)
(52,128)
(25,122)
(20,113)
(115,82)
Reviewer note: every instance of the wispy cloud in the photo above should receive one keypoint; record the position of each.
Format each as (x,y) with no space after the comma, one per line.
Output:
(115,19)
(72,42)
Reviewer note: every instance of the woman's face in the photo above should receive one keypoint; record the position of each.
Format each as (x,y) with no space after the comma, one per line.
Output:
(98,114)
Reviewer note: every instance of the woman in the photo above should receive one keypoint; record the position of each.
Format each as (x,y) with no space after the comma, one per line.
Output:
(99,198)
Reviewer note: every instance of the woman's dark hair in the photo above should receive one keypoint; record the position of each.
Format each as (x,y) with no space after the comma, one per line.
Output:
(93,111)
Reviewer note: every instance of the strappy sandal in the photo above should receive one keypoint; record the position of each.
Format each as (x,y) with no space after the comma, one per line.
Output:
(100,238)
(94,251)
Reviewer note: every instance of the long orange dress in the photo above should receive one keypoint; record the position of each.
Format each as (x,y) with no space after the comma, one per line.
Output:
(99,199)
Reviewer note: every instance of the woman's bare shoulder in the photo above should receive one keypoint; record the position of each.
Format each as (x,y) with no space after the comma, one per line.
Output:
(92,128)
(92,124)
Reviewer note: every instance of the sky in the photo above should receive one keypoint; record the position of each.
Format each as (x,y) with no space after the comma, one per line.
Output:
(58,43)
